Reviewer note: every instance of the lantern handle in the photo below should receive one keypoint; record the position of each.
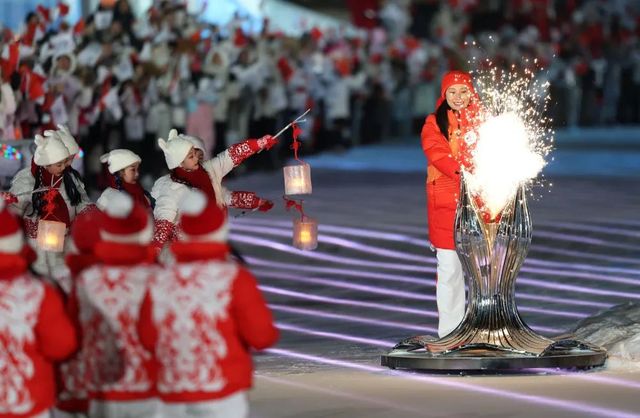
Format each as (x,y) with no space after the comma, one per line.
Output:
(298,119)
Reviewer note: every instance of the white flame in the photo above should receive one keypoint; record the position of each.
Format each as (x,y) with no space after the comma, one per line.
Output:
(505,157)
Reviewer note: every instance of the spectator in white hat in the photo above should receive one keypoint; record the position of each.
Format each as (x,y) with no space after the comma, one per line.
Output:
(124,166)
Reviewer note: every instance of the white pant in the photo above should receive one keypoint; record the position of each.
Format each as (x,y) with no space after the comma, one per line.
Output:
(234,406)
(148,408)
(44,414)
(449,291)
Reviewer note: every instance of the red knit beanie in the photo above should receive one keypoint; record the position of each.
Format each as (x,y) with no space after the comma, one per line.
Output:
(202,220)
(125,221)
(85,231)
(451,78)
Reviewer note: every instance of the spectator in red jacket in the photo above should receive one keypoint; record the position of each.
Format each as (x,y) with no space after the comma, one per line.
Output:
(201,316)
(35,330)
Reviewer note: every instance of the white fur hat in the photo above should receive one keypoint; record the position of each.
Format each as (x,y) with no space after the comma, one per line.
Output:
(49,150)
(195,141)
(119,159)
(64,135)
(175,149)
(68,140)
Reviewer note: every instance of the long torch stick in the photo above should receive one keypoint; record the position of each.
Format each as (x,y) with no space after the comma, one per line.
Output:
(289,125)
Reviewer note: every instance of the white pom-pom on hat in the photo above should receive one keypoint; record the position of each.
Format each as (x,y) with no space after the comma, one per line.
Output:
(120,206)
(194,203)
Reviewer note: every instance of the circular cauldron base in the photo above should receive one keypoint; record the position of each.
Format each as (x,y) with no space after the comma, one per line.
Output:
(481,359)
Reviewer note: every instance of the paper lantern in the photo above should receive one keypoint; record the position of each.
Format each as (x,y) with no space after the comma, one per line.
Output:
(51,235)
(297,179)
(305,234)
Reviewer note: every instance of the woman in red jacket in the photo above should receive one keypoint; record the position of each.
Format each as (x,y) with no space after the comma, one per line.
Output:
(444,146)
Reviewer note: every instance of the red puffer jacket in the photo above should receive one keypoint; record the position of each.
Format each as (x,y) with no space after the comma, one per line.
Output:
(443,179)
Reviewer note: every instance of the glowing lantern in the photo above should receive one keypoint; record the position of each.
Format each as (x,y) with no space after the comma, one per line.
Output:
(305,234)
(51,235)
(297,179)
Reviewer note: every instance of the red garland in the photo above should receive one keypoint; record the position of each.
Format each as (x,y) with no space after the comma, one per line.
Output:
(297,205)
(296,144)
(49,206)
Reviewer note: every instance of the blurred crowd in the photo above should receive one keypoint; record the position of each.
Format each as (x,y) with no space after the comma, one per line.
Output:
(121,81)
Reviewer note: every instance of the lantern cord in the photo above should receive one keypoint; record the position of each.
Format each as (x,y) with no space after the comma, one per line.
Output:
(295,204)
(298,119)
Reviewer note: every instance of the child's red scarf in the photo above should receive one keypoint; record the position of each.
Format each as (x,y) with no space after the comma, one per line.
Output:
(198,178)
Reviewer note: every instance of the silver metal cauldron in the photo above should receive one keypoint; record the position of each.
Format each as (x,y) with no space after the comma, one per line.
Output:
(492,335)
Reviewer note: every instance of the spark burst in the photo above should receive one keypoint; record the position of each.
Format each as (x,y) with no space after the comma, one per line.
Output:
(514,136)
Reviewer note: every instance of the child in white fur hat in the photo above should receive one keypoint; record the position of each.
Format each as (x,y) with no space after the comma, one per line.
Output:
(108,295)
(47,191)
(187,172)
(124,165)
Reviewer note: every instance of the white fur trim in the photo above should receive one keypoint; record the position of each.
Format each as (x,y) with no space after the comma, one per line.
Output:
(194,203)
(12,244)
(143,237)
(119,206)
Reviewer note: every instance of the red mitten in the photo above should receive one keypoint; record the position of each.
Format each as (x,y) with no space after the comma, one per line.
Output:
(244,200)
(267,142)
(265,205)
(249,200)
(164,232)
(8,198)
(245,149)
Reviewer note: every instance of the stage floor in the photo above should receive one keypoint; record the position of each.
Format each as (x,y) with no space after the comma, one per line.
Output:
(371,283)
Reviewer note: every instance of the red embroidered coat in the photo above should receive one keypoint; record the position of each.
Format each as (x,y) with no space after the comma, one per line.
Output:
(35,331)
(200,317)
(107,303)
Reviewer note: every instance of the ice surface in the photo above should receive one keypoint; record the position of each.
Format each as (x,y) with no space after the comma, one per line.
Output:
(618,330)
